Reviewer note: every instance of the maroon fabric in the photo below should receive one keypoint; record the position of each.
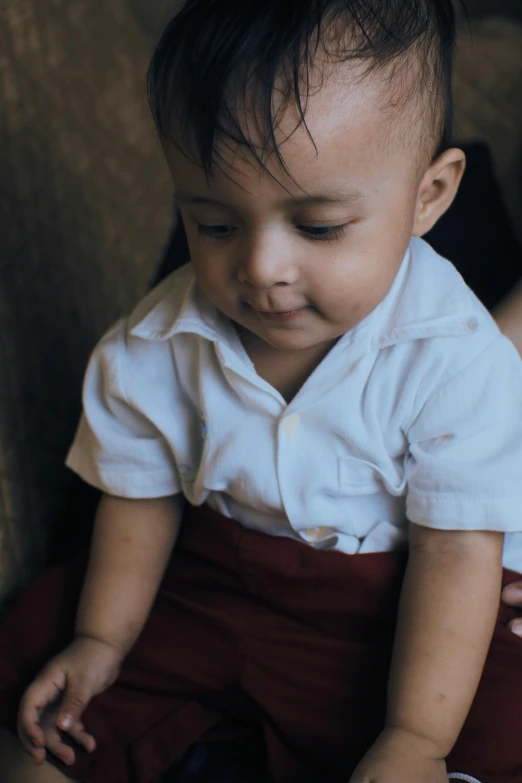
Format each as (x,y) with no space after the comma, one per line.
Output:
(252,634)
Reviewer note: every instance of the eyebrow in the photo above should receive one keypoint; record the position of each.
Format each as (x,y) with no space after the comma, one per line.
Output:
(335,197)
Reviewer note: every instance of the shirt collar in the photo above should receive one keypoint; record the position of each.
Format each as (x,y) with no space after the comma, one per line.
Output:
(177,305)
(427,299)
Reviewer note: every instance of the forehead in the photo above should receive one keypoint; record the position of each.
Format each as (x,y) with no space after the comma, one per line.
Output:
(349,134)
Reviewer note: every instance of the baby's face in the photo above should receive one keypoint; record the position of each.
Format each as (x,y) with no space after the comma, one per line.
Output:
(299,263)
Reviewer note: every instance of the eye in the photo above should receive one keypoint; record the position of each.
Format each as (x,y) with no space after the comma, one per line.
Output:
(323,233)
(216,231)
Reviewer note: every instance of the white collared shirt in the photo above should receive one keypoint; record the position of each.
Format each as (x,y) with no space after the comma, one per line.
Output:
(416,413)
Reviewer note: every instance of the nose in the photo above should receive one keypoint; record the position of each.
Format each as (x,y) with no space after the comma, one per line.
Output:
(267,261)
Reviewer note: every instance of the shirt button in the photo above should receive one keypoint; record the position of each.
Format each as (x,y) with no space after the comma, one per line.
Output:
(317,533)
(290,424)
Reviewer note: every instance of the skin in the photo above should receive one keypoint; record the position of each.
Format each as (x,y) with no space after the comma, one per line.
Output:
(260,242)
(512,596)
(509,319)
(256,254)
(18,767)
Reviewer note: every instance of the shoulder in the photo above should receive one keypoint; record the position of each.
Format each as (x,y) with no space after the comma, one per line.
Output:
(454,326)
(438,297)
(436,332)
(136,349)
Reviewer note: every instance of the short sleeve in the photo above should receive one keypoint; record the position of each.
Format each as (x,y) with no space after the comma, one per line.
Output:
(116,447)
(464,466)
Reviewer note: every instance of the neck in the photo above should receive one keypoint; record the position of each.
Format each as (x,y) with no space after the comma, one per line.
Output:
(285,370)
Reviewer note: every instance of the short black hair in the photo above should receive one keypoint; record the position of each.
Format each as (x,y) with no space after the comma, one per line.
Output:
(214,52)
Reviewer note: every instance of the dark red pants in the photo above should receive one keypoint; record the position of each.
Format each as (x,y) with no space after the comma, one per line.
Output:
(258,636)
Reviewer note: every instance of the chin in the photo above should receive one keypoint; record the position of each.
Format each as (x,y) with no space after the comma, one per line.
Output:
(288,342)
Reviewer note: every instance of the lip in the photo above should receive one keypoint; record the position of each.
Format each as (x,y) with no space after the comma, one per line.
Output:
(279,315)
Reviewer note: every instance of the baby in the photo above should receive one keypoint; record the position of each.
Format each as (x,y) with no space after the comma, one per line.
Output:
(309,440)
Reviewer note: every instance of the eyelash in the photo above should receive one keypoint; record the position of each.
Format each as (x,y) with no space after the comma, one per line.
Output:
(331,233)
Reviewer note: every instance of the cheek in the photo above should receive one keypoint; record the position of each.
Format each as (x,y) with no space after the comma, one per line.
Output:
(376,275)
(213,272)
(352,285)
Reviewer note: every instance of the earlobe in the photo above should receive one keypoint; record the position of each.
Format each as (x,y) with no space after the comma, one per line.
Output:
(437,190)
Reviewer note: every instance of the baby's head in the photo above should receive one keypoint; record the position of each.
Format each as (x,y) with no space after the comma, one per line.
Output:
(308,141)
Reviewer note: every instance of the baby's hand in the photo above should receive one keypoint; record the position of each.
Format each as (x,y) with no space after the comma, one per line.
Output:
(401,757)
(55,701)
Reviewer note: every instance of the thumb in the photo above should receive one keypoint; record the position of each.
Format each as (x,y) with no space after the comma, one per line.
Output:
(512,594)
(75,700)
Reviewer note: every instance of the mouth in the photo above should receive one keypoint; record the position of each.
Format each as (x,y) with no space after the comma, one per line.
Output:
(279,315)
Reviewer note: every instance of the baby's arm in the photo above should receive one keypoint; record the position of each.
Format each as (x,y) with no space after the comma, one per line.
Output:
(132,543)
(447,614)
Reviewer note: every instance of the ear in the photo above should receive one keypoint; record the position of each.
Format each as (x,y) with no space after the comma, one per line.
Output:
(437,190)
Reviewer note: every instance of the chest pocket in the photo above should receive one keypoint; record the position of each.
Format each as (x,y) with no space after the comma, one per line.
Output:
(357,477)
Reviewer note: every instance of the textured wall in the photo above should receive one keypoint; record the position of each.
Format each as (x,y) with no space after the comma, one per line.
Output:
(85,205)
(153,15)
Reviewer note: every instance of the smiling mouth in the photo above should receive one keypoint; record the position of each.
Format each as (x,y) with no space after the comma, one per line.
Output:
(279,315)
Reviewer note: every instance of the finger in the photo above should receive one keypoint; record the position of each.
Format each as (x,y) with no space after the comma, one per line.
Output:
(516,627)
(82,737)
(33,740)
(512,594)
(58,747)
(38,754)
(45,690)
(28,723)
(73,704)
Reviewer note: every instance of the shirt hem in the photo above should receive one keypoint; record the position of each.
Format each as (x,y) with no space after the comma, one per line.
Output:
(501,516)
(130,486)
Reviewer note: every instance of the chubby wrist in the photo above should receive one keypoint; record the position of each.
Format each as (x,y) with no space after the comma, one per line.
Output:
(116,652)
(409,741)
